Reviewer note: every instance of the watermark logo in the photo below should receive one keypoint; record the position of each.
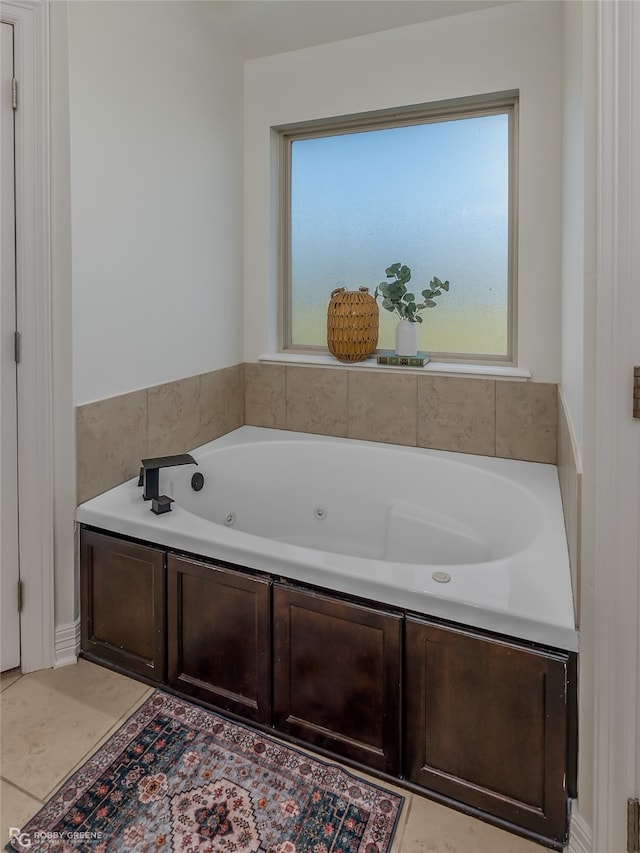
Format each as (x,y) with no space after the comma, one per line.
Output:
(24,840)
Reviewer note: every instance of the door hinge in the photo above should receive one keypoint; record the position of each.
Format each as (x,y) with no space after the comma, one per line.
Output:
(636,392)
(20,596)
(14,93)
(633,826)
(17,347)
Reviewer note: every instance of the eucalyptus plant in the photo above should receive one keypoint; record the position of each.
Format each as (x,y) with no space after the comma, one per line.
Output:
(397,298)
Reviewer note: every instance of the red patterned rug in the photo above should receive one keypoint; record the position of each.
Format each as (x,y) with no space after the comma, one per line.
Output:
(176,777)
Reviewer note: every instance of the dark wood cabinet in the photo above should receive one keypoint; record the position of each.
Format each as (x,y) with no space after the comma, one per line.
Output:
(219,636)
(487,724)
(123,604)
(337,676)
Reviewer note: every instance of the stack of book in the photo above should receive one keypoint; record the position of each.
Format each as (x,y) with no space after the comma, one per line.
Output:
(392,358)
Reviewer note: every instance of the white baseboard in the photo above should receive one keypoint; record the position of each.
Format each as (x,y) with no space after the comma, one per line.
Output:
(67,644)
(580,838)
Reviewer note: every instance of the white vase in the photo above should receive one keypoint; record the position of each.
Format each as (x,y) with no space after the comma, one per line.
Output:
(406,338)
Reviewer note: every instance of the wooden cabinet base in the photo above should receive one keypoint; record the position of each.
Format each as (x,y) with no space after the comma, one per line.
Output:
(123,604)
(337,670)
(219,637)
(487,724)
(481,723)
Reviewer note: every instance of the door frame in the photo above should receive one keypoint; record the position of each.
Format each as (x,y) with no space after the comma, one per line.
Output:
(30,19)
(10,639)
(616,773)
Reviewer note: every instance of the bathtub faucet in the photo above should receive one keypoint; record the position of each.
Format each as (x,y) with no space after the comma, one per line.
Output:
(150,479)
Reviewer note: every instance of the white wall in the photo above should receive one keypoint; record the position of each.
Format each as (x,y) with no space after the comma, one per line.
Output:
(573,244)
(578,230)
(515,46)
(156,194)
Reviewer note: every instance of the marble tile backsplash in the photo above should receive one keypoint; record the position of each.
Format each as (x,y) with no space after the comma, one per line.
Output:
(458,413)
(114,434)
(526,421)
(490,417)
(516,420)
(111,439)
(382,406)
(318,402)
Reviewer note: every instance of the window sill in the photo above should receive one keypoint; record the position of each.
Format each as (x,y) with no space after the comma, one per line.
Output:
(437,368)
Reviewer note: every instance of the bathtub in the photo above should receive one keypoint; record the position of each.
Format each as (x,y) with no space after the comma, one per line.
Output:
(471,539)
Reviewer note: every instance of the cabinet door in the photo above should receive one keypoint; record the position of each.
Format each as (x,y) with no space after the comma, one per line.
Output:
(123,604)
(337,670)
(487,725)
(219,637)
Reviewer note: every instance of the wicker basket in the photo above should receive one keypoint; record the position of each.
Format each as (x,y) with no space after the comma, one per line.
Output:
(352,324)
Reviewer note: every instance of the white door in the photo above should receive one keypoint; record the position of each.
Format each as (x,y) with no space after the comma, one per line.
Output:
(9,566)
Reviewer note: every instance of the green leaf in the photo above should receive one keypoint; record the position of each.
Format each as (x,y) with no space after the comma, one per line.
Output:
(397,298)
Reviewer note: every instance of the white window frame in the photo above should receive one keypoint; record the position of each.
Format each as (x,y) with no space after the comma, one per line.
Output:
(495,103)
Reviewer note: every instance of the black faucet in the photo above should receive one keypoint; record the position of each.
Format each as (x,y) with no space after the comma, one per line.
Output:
(150,479)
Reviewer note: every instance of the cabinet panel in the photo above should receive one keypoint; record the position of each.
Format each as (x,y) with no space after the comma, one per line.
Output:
(337,669)
(219,637)
(123,604)
(487,724)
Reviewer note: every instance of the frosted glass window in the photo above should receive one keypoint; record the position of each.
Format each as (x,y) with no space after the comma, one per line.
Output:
(435,196)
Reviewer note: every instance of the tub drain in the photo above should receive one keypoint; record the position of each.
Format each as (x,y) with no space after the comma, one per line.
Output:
(320,512)
(441,577)
(230,519)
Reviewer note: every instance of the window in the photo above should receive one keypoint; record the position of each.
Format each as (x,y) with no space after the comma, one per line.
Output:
(432,188)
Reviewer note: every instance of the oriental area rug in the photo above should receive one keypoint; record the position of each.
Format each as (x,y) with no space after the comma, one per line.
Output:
(176,777)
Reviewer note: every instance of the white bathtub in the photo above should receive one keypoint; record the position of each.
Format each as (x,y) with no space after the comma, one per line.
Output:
(472,539)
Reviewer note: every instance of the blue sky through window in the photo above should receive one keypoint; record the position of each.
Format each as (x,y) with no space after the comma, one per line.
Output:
(434,196)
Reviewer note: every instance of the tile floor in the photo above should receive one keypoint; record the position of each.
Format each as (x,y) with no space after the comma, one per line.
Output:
(54,719)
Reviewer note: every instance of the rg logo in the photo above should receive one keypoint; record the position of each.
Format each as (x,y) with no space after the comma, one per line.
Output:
(22,838)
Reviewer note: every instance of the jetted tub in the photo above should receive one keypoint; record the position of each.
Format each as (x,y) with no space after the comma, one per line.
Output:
(471,539)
